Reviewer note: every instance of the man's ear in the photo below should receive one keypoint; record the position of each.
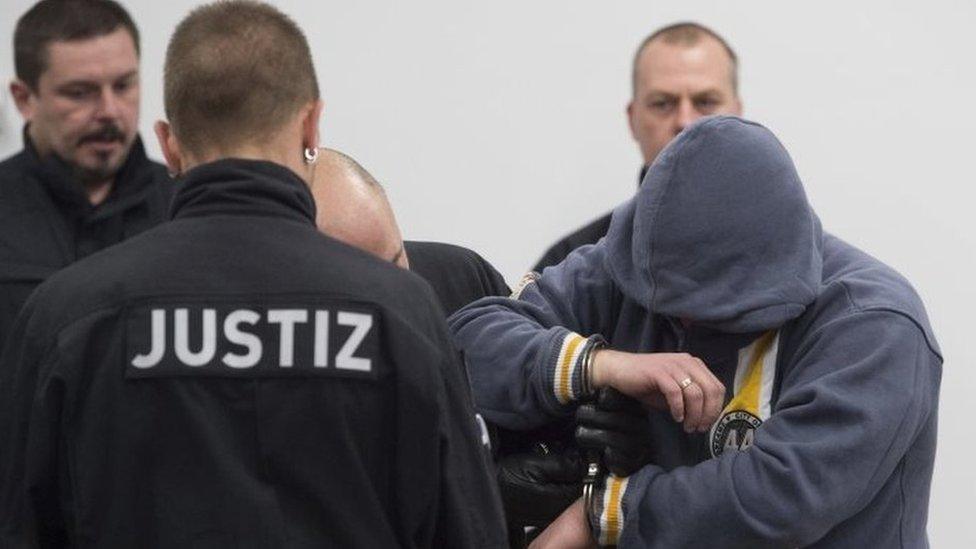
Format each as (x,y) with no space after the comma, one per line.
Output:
(630,118)
(170,147)
(22,93)
(310,125)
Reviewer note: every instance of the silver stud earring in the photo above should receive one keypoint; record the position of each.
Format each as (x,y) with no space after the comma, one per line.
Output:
(311,155)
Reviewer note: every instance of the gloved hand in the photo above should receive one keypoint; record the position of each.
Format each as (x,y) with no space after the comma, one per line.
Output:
(536,488)
(618,427)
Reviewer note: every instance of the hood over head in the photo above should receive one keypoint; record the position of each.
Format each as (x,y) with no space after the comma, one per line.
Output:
(720,232)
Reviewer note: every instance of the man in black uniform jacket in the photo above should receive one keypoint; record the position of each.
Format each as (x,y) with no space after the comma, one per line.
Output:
(234,378)
(353,207)
(681,72)
(82,181)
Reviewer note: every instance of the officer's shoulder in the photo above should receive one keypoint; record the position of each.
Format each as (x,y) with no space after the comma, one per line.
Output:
(399,289)
(112,277)
(159,171)
(83,286)
(12,177)
(14,158)
(405,298)
(443,253)
(587,234)
(367,263)
(160,182)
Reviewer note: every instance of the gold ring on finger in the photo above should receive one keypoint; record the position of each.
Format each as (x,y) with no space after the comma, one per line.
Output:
(685,383)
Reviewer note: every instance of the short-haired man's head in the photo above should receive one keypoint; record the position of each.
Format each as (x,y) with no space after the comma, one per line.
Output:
(682,72)
(687,34)
(352,207)
(235,72)
(63,21)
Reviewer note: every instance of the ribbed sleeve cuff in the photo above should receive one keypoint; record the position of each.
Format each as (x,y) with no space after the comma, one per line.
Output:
(606,514)
(566,369)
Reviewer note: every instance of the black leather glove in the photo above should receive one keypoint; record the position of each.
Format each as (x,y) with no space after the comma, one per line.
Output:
(618,427)
(537,487)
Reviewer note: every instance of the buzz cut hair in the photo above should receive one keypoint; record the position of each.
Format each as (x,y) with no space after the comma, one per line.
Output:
(687,34)
(236,72)
(63,21)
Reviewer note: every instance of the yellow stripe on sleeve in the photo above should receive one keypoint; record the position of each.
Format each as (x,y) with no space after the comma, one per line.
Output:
(564,367)
(612,519)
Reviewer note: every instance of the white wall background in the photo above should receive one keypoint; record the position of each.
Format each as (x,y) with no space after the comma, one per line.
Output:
(499,126)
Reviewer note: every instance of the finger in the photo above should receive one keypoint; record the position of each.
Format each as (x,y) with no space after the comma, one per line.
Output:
(712,391)
(709,380)
(672,393)
(707,375)
(712,408)
(694,401)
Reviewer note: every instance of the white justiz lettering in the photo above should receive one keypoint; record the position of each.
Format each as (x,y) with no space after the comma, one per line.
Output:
(361,325)
(237,330)
(182,338)
(321,339)
(286,320)
(233,333)
(158,342)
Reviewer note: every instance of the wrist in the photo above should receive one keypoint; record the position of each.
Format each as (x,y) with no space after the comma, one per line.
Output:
(593,344)
(601,368)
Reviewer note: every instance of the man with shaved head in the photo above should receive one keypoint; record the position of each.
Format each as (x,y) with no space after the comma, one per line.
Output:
(353,207)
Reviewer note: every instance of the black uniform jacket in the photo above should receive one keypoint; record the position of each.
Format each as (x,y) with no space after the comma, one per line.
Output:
(234,378)
(47,223)
(458,275)
(588,234)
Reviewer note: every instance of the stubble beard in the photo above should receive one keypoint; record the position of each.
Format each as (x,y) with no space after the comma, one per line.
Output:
(104,170)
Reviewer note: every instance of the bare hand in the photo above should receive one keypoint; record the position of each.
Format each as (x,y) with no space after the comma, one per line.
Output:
(656,380)
(569,531)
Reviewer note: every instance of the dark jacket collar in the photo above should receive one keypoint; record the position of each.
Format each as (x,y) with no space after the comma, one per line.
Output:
(243,187)
(133,179)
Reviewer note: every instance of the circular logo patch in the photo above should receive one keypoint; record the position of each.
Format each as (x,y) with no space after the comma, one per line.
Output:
(733,431)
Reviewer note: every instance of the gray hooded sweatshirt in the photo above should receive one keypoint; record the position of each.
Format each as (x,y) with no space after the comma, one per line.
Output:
(831,368)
